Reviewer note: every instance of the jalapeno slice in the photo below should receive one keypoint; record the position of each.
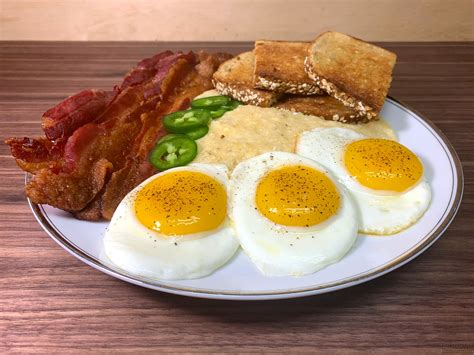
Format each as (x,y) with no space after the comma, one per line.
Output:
(177,151)
(186,121)
(211,102)
(198,132)
(219,111)
(233,104)
(168,137)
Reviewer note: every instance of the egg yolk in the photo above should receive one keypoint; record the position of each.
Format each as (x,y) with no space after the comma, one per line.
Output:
(182,202)
(382,164)
(297,195)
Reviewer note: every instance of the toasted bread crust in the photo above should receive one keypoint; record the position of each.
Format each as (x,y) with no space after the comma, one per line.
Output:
(289,87)
(279,66)
(246,94)
(343,97)
(235,78)
(323,106)
(353,71)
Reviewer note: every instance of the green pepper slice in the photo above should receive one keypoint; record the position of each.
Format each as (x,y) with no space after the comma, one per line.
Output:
(168,137)
(219,111)
(211,102)
(186,121)
(233,104)
(198,132)
(177,151)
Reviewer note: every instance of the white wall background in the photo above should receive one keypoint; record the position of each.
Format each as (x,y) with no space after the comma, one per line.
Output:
(235,20)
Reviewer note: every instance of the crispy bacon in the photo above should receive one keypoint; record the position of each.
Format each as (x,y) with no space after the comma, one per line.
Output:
(144,71)
(209,63)
(63,119)
(69,191)
(107,141)
(137,168)
(36,149)
(181,90)
(101,159)
(84,107)
(33,154)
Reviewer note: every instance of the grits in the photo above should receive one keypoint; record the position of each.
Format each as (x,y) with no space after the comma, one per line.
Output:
(249,131)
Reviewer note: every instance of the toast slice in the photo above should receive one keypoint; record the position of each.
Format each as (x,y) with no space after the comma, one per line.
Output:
(279,66)
(324,106)
(235,78)
(353,71)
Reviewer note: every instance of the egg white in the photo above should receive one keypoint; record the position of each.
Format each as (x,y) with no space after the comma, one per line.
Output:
(141,251)
(381,212)
(279,250)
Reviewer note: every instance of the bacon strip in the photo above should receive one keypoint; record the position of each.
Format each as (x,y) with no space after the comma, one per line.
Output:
(63,119)
(105,137)
(186,83)
(108,141)
(144,70)
(35,149)
(33,154)
(137,168)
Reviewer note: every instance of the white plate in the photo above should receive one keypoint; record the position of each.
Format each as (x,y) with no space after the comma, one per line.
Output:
(370,257)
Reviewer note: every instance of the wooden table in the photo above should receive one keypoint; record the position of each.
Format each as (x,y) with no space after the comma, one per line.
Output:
(50,301)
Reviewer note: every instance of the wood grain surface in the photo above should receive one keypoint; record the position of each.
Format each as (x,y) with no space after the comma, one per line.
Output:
(52,302)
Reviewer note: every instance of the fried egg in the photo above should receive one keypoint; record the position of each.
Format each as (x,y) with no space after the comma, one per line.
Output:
(174,225)
(385,178)
(291,217)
